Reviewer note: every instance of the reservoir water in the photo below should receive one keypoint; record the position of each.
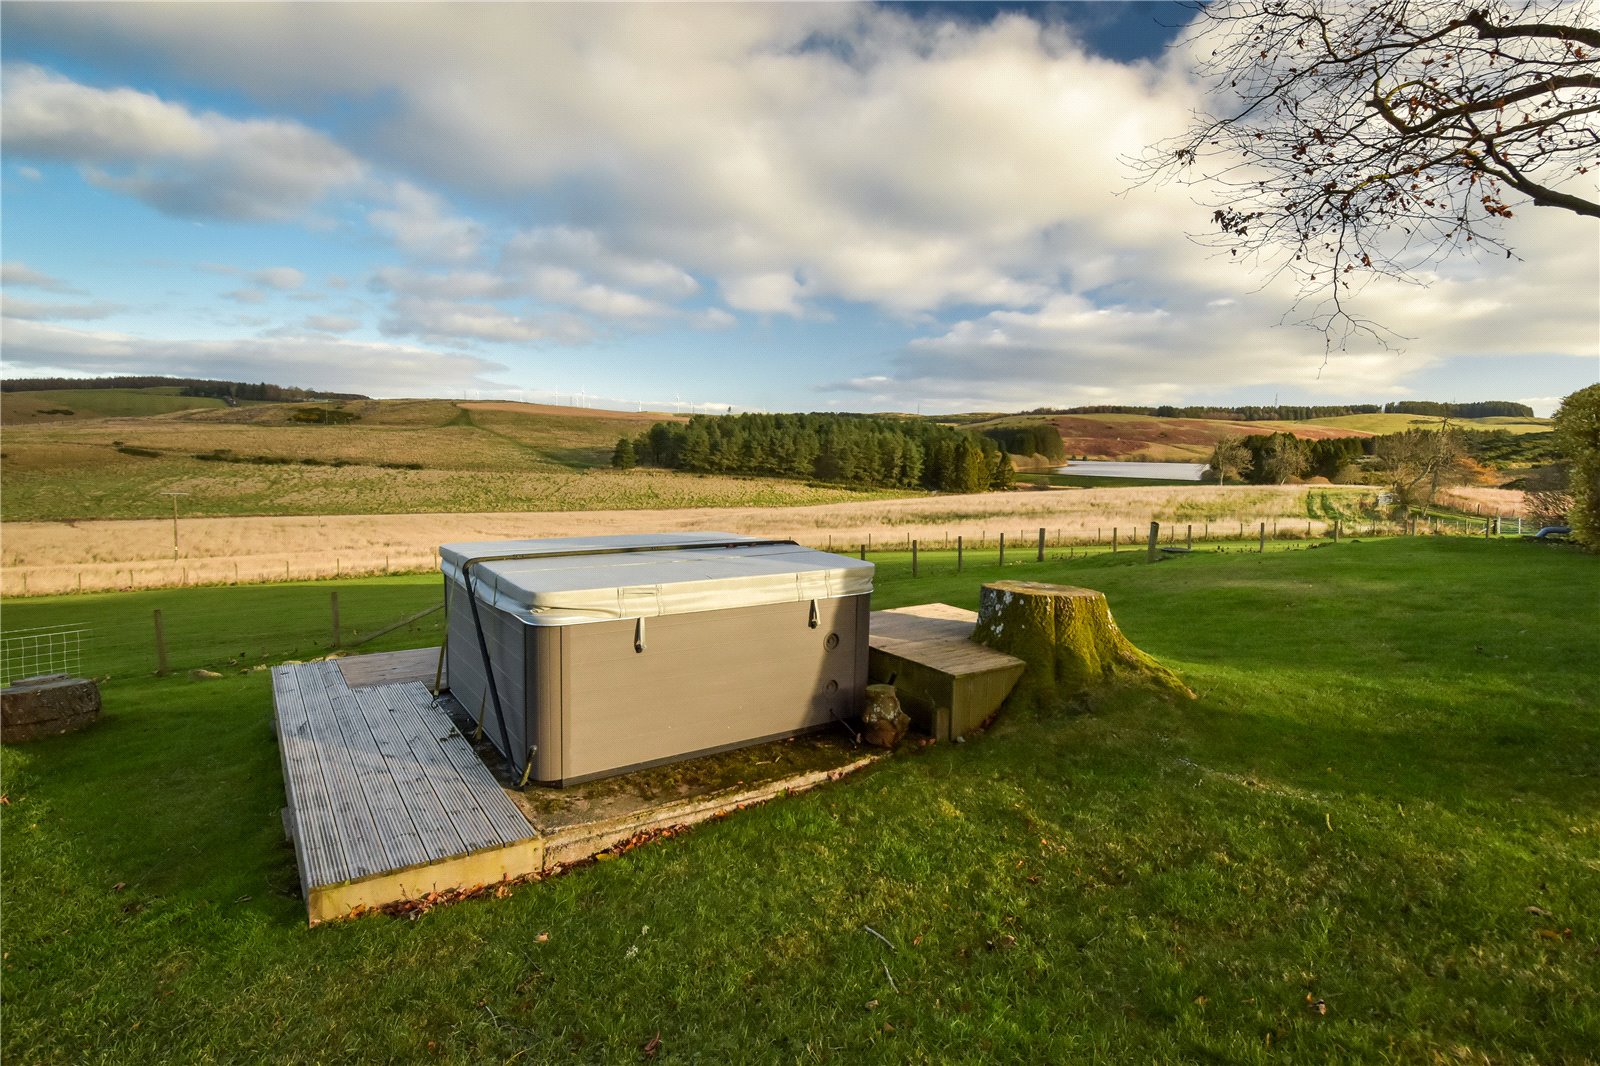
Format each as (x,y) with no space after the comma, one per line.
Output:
(1106,468)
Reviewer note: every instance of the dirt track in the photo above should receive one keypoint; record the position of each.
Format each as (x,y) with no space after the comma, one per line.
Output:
(53,557)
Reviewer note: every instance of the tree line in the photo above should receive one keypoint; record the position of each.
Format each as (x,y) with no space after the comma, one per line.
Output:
(238,390)
(1449,452)
(1482,409)
(1040,438)
(1303,412)
(850,450)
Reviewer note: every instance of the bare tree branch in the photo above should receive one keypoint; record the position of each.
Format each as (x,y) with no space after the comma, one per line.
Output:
(1370,140)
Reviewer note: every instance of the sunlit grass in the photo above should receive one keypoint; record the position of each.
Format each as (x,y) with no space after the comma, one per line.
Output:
(1384,802)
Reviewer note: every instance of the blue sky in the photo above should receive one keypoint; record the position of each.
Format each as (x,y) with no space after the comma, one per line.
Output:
(812,206)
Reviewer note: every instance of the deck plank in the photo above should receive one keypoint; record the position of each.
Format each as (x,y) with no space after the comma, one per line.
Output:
(397,835)
(502,814)
(391,668)
(316,838)
(938,636)
(348,807)
(436,834)
(423,735)
(379,782)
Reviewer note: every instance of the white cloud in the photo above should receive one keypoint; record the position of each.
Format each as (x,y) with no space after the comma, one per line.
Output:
(961,177)
(246,296)
(12,307)
(333,323)
(31,173)
(583,251)
(454,322)
(421,225)
(316,362)
(178,161)
(283,279)
(771,293)
(563,286)
(16,273)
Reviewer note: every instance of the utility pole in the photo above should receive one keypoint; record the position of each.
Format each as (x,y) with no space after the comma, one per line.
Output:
(174,496)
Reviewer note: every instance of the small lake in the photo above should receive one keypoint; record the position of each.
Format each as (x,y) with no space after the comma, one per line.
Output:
(1107,468)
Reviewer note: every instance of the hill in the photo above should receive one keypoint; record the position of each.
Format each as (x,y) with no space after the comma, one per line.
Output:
(354,457)
(1157,439)
(58,405)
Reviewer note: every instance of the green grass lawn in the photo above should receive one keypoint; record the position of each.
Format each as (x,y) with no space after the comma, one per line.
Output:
(1386,800)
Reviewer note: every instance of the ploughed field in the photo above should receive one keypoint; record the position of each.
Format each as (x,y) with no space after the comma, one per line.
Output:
(1372,838)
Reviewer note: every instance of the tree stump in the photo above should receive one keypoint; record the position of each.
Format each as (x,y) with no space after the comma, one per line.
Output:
(47,706)
(1068,639)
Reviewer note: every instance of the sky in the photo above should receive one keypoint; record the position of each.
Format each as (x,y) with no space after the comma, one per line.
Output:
(758,206)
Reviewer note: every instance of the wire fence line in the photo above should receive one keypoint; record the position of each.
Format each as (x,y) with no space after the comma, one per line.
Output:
(20,581)
(243,628)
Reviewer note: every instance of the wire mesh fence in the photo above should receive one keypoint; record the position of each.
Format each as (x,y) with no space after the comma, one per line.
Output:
(56,649)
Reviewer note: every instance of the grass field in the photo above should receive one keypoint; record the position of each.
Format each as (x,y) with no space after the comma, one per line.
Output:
(57,405)
(46,557)
(1373,838)
(395,457)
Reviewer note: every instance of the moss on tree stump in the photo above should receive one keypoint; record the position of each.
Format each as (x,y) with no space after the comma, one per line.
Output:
(1068,639)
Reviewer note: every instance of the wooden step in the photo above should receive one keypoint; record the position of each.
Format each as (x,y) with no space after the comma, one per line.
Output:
(948,684)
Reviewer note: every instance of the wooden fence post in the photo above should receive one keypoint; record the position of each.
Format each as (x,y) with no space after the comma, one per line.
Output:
(334,604)
(1263,542)
(958,553)
(863,553)
(1155,535)
(1002,549)
(1041,544)
(161,645)
(1114,540)
(1336,530)
(1188,537)
(913,558)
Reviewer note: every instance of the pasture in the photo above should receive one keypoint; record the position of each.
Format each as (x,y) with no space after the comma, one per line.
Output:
(41,557)
(391,457)
(77,405)
(1373,837)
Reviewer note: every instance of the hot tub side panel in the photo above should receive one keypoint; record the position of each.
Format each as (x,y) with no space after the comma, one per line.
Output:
(506,641)
(707,681)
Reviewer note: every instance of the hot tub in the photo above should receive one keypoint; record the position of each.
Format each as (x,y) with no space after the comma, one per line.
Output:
(583,657)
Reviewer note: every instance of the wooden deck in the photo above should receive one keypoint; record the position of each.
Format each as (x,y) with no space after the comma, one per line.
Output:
(948,684)
(386,799)
(393,668)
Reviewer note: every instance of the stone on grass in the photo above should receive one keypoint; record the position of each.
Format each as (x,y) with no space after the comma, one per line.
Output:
(47,706)
(883,723)
(203,675)
(1069,640)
